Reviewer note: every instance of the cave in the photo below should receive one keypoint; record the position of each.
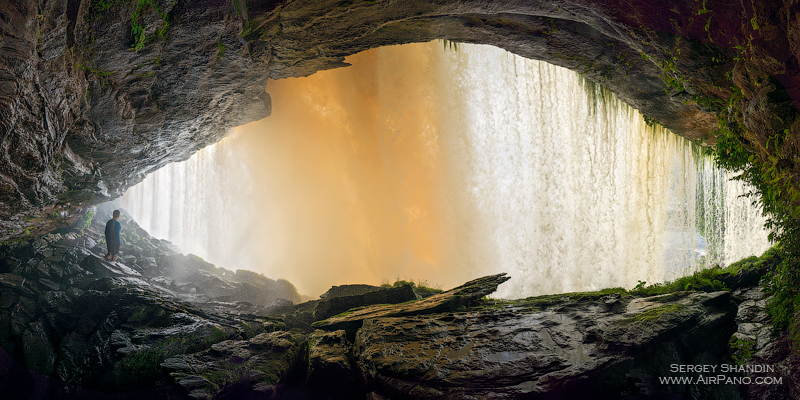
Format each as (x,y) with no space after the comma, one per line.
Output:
(97,96)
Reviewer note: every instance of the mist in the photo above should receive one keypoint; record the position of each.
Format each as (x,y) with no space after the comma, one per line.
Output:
(443,165)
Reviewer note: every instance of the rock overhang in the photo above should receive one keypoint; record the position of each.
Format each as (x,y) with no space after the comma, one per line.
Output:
(89,108)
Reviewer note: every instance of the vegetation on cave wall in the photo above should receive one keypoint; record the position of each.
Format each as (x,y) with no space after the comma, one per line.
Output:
(758,132)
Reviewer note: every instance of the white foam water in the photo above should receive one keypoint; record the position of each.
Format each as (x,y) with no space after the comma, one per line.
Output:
(545,176)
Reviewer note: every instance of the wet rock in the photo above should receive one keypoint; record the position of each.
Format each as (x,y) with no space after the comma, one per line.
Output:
(452,300)
(103,268)
(108,325)
(584,351)
(332,370)
(277,303)
(348,290)
(334,305)
(76,359)
(118,327)
(781,362)
(262,364)
(38,349)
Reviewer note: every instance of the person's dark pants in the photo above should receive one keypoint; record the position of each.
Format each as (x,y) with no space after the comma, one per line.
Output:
(113,249)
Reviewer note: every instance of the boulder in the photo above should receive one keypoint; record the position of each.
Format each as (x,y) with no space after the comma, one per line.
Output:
(457,299)
(348,290)
(330,306)
(331,367)
(578,350)
(38,349)
(259,367)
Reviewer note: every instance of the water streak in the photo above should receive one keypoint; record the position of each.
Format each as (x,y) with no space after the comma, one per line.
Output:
(448,165)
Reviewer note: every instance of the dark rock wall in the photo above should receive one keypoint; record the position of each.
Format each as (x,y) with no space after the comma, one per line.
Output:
(160,325)
(96,94)
(85,115)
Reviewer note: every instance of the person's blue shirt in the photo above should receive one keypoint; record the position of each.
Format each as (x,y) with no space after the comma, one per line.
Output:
(113,229)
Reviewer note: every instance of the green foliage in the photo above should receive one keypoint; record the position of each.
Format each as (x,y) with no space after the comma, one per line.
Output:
(704,10)
(650,121)
(669,72)
(449,44)
(138,30)
(763,166)
(274,366)
(712,279)
(702,281)
(220,49)
(626,60)
(420,287)
(782,285)
(85,221)
(100,7)
(754,23)
(250,31)
(794,331)
(741,350)
(237,8)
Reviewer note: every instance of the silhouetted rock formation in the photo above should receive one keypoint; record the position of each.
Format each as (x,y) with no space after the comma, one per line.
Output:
(68,313)
(74,325)
(348,290)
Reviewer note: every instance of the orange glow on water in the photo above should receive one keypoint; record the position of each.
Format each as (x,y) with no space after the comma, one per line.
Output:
(347,166)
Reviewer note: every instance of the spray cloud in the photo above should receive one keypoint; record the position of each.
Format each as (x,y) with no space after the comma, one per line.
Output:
(444,166)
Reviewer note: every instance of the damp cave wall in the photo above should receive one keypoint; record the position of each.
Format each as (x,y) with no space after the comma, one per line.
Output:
(95,94)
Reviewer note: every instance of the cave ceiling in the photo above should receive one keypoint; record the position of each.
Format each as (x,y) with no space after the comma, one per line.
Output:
(95,94)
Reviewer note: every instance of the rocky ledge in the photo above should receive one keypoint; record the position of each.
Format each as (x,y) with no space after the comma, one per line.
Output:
(162,325)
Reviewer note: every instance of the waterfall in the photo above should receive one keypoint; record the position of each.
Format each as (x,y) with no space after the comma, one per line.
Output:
(448,165)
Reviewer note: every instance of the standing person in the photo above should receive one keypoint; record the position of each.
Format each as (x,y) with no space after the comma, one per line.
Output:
(112,237)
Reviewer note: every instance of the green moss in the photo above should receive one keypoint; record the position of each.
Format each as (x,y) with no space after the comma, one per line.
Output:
(143,368)
(274,365)
(139,315)
(250,31)
(650,121)
(539,303)
(251,329)
(95,71)
(714,279)
(220,49)
(449,44)
(653,314)
(224,374)
(346,313)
